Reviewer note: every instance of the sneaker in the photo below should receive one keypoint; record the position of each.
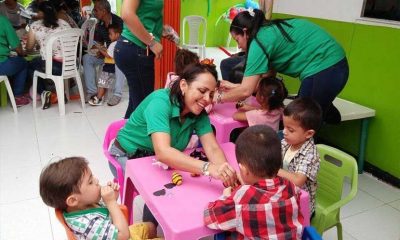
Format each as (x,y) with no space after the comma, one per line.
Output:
(45,97)
(21,101)
(89,96)
(114,100)
(94,101)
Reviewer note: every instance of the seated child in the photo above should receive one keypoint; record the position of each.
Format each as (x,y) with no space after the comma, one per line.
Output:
(107,76)
(270,95)
(301,119)
(265,206)
(183,57)
(70,186)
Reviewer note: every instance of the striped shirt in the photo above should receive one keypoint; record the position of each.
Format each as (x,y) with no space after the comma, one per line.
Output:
(92,223)
(268,209)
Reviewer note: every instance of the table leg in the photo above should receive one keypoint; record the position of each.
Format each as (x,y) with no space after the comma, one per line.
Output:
(363,144)
(3,94)
(129,195)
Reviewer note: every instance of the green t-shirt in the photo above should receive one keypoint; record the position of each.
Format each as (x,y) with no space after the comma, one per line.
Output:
(157,114)
(150,13)
(311,51)
(8,38)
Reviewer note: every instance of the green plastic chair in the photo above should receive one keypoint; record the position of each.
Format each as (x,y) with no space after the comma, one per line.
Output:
(335,167)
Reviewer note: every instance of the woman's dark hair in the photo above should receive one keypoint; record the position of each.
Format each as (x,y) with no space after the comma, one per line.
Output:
(50,19)
(183,58)
(190,73)
(259,149)
(273,91)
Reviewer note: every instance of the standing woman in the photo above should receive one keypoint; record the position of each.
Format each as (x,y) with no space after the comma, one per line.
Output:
(295,47)
(138,46)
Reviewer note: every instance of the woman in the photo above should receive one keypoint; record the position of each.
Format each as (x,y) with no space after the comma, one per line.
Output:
(12,10)
(39,31)
(137,47)
(12,66)
(62,13)
(164,122)
(294,47)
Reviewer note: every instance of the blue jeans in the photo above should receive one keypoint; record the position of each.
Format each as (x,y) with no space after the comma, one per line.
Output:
(228,63)
(324,86)
(17,69)
(40,65)
(138,69)
(90,63)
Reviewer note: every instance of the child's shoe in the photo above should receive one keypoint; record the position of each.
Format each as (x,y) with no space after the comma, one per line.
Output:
(94,101)
(45,97)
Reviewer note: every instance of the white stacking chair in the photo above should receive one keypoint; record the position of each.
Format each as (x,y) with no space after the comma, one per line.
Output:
(70,39)
(88,27)
(10,92)
(196,40)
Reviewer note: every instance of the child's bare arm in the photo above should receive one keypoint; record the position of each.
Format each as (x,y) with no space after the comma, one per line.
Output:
(298,179)
(103,51)
(109,194)
(240,116)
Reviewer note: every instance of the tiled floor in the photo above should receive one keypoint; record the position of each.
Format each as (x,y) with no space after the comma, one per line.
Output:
(29,141)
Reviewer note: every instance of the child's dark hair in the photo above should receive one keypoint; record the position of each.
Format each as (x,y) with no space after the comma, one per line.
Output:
(306,111)
(117,28)
(259,149)
(273,92)
(183,58)
(189,74)
(60,179)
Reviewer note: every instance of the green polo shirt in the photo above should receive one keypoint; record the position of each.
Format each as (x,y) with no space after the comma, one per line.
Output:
(157,114)
(312,51)
(150,13)
(8,38)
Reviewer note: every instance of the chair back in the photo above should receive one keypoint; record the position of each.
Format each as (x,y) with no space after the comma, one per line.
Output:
(336,166)
(195,40)
(70,235)
(111,133)
(88,27)
(69,40)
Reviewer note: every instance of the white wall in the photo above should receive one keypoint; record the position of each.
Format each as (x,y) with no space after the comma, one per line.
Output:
(341,10)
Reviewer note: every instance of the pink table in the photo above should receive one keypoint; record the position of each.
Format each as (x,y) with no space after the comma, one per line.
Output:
(180,211)
(221,118)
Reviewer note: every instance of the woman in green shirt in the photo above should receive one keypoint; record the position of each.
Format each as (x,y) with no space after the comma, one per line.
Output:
(294,47)
(164,122)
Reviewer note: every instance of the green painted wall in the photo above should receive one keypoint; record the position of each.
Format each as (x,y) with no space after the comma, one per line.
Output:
(374,57)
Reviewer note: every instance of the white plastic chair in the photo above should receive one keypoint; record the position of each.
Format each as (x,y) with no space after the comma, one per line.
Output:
(88,28)
(69,40)
(195,41)
(10,92)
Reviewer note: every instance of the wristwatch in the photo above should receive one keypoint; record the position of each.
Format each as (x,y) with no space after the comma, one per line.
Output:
(204,170)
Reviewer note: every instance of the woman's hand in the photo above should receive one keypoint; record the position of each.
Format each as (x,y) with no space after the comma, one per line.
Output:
(226,85)
(157,49)
(224,172)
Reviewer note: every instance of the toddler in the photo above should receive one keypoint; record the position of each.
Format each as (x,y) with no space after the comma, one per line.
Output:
(107,75)
(265,206)
(183,58)
(270,95)
(301,119)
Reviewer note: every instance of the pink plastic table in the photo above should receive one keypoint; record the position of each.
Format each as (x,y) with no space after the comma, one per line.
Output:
(180,210)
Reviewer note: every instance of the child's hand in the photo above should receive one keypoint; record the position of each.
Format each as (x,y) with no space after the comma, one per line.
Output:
(115,187)
(108,193)
(246,107)
(227,192)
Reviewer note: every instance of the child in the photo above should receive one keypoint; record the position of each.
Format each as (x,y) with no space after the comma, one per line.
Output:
(301,119)
(183,57)
(270,95)
(107,76)
(69,185)
(266,206)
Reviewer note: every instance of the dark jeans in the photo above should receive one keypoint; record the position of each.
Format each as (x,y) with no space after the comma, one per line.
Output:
(16,69)
(138,69)
(228,64)
(325,86)
(40,65)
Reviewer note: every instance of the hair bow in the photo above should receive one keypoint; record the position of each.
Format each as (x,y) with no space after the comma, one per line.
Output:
(251,11)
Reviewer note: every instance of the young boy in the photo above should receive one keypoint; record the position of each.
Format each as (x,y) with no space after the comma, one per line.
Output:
(69,185)
(265,206)
(107,76)
(301,119)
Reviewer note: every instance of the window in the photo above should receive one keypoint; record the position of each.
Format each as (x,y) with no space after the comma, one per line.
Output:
(382,9)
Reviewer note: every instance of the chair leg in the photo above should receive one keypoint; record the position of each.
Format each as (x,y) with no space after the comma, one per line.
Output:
(66,87)
(80,88)
(339,230)
(59,82)
(10,93)
(34,90)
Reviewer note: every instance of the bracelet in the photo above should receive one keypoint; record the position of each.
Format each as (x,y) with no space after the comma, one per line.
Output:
(204,170)
(219,97)
(152,41)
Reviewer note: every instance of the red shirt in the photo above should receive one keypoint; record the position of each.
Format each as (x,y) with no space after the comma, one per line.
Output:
(268,209)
